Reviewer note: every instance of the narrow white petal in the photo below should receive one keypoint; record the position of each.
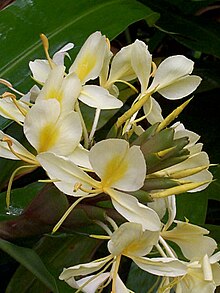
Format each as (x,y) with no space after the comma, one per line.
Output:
(161,266)
(153,111)
(92,286)
(180,88)
(80,157)
(58,57)
(98,97)
(120,286)
(129,207)
(83,269)
(118,165)
(10,111)
(141,62)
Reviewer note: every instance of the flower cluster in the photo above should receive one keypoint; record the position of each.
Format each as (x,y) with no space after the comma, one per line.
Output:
(139,169)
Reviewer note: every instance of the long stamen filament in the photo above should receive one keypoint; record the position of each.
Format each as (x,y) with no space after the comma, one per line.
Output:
(14,100)
(69,210)
(128,84)
(78,186)
(9,85)
(8,193)
(19,156)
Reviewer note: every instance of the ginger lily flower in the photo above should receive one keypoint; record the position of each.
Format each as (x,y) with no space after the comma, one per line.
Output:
(120,168)
(128,240)
(172,79)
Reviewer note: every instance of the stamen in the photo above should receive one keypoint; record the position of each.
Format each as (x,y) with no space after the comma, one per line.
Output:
(8,193)
(128,84)
(9,85)
(19,156)
(14,100)
(78,186)
(45,42)
(69,210)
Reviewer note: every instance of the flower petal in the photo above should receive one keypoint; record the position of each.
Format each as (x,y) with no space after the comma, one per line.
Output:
(40,70)
(129,207)
(92,285)
(141,63)
(153,111)
(121,68)
(130,239)
(118,165)
(17,147)
(66,173)
(180,88)
(83,269)
(161,266)
(190,238)
(98,97)
(47,131)
(89,61)
(170,70)
(80,157)
(10,111)
(58,57)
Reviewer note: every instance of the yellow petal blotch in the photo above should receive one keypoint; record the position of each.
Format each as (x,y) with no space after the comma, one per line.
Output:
(48,137)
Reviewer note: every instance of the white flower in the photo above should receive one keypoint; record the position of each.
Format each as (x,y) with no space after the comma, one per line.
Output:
(120,168)
(130,240)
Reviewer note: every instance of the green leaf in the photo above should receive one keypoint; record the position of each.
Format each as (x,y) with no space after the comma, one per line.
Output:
(195,32)
(20,198)
(56,252)
(32,262)
(141,281)
(77,19)
(39,217)
(192,206)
